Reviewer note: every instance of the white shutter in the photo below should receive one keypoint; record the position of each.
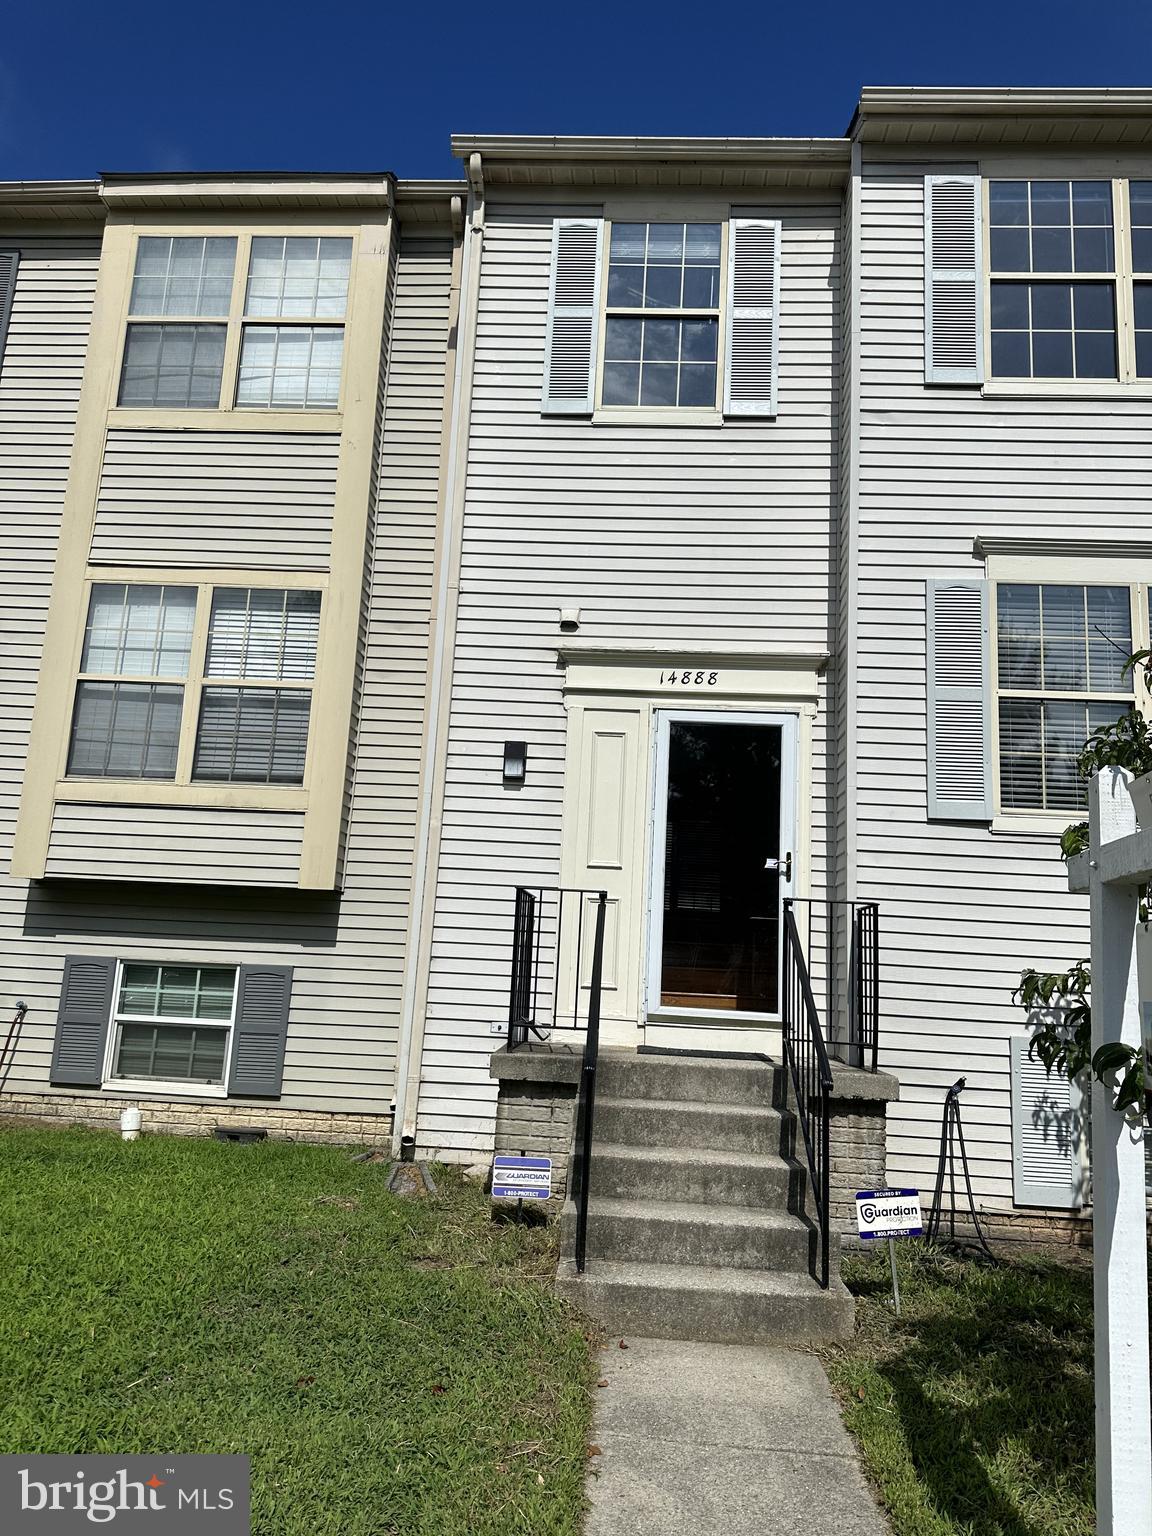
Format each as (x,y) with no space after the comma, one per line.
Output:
(959,702)
(573,317)
(752,305)
(1047,1134)
(9,262)
(953,281)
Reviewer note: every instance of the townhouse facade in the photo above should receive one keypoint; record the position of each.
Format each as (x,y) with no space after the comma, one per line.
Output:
(223,404)
(711,523)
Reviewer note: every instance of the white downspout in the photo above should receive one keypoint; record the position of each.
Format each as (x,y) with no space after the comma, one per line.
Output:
(426,858)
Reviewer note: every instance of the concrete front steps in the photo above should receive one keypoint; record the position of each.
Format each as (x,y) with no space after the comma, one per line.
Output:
(696,1224)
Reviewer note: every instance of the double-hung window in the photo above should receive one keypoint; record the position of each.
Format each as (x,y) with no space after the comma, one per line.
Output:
(194,341)
(130,695)
(662,322)
(1060,654)
(195,684)
(1070,279)
(1052,251)
(181,295)
(289,361)
(250,732)
(172,1023)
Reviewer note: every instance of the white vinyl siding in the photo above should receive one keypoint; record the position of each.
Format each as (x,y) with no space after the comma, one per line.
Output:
(230,499)
(257,500)
(680,535)
(963,908)
(173,844)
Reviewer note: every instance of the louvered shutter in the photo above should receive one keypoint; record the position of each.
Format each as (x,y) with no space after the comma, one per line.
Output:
(1047,1134)
(959,702)
(752,307)
(573,317)
(82,1022)
(9,262)
(953,281)
(260,1033)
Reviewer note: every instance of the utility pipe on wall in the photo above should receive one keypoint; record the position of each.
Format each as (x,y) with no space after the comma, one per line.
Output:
(410,1041)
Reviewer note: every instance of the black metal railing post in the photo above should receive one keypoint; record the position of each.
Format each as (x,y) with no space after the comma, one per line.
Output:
(806,1056)
(587,1108)
(522,979)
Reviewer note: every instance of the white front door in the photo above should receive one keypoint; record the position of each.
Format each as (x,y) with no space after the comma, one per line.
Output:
(724,856)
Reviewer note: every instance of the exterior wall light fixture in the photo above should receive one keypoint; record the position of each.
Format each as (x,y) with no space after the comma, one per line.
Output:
(515,763)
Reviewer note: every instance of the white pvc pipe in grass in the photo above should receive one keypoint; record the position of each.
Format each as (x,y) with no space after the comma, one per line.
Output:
(130,1124)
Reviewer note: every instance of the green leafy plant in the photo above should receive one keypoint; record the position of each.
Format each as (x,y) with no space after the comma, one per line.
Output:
(1058,1003)
(1074,840)
(1126,743)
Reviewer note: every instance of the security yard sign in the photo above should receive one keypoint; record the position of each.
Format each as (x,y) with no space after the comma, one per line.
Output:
(889,1213)
(521,1178)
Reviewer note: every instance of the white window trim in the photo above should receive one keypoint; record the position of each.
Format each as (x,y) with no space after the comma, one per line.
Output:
(195,680)
(661,415)
(1136,575)
(136,1086)
(1126,385)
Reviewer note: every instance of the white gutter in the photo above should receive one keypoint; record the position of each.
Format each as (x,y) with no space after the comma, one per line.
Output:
(425,870)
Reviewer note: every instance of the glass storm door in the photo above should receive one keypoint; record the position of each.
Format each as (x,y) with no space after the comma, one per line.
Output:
(723,861)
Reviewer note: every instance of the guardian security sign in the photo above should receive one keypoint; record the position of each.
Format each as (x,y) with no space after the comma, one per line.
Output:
(889,1213)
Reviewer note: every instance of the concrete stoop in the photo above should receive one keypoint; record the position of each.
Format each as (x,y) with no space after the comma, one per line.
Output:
(696,1226)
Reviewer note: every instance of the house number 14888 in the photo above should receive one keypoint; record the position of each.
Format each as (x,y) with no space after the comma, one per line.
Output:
(688,679)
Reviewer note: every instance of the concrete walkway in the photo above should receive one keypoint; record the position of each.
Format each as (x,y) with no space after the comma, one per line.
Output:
(722,1440)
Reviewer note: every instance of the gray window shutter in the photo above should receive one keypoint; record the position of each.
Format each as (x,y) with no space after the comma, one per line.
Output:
(953,281)
(752,305)
(573,317)
(82,1023)
(9,262)
(1047,1134)
(959,702)
(260,1032)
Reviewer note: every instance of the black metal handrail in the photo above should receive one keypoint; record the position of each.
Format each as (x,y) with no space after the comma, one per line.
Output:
(864,986)
(862,973)
(811,1073)
(550,930)
(547,942)
(586,1107)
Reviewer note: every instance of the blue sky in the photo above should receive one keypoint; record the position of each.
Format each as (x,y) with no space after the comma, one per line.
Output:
(91,87)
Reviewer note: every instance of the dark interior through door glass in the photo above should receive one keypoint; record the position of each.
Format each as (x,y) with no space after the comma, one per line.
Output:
(721,921)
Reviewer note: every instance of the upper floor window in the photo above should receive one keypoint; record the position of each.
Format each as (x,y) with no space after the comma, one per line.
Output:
(152,702)
(662,325)
(1062,259)
(181,307)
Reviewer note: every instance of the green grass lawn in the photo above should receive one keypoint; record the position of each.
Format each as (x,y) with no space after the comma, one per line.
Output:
(974,1410)
(391,1366)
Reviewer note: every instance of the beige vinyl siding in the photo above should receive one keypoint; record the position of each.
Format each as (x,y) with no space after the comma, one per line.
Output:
(175,843)
(963,908)
(346,949)
(262,500)
(680,535)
